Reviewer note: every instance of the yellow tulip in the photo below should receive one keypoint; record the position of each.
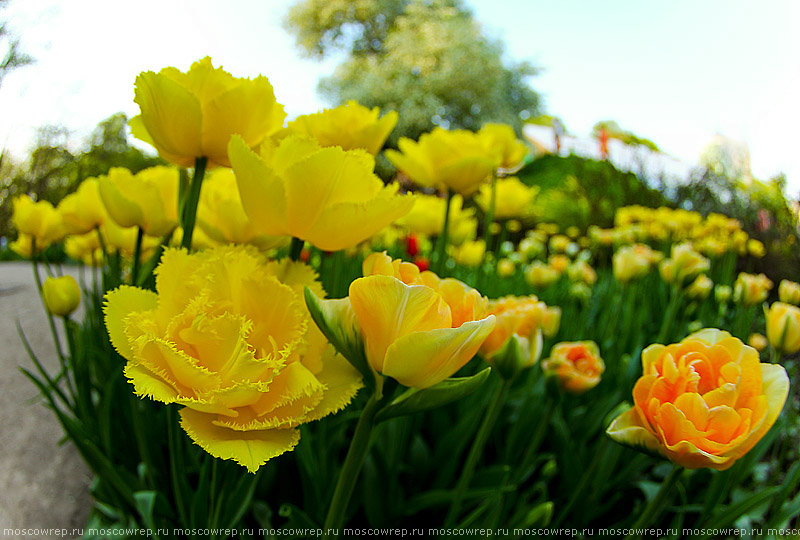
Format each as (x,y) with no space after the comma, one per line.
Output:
(751,289)
(221,216)
(551,321)
(577,365)
(506,268)
(512,198)
(700,288)
(756,248)
(502,143)
(559,263)
(427,217)
(722,293)
(515,344)
(148,199)
(84,248)
(789,292)
(191,115)
(703,402)
(248,372)
(632,262)
(350,126)
(61,295)
(36,221)
(449,160)
(413,326)
(326,196)
(540,275)
(758,341)
(83,210)
(470,253)
(684,263)
(581,271)
(783,327)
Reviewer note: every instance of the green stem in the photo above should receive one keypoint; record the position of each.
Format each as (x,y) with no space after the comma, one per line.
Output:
(102,243)
(476,451)
(441,250)
(296,248)
(775,355)
(351,468)
(538,436)
(51,322)
(489,217)
(137,254)
(173,440)
(657,504)
(669,314)
(190,207)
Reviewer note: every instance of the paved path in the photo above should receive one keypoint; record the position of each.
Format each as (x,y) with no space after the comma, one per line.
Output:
(42,484)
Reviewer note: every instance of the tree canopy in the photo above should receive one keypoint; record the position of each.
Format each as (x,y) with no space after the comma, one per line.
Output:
(428,60)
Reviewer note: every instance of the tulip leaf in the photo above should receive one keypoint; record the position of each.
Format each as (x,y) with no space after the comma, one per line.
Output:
(416,400)
(336,320)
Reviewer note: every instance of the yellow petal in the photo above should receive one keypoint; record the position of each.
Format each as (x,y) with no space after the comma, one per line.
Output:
(248,109)
(121,303)
(424,358)
(172,116)
(261,190)
(341,381)
(628,429)
(775,383)
(387,309)
(346,224)
(250,449)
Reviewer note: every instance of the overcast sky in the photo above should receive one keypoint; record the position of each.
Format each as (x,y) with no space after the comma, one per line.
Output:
(675,72)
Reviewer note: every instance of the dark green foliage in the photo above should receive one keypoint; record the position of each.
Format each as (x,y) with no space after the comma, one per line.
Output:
(582,192)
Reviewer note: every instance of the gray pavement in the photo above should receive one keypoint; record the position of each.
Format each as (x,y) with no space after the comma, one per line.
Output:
(42,485)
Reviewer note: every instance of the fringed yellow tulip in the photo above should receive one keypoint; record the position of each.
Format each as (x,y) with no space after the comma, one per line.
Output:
(221,215)
(36,221)
(512,198)
(248,371)
(703,402)
(350,126)
(448,160)
(751,289)
(326,196)
(783,327)
(61,295)
(83,210)
(577,365)
(192,115)
(148,199)
(502,143)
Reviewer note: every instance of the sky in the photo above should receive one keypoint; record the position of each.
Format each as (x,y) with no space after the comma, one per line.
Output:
(677,72)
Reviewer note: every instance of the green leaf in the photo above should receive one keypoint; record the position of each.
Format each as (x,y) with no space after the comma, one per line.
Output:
(336,320)
(416,400)
(145,503)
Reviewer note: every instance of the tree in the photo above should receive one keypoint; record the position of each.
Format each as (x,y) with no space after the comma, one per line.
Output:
(53,170)
(428,60)
(12,55)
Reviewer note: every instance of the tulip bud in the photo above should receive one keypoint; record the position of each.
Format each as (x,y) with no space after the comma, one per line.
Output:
(789,292)
(783,327)
(757,341)
(61,295)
